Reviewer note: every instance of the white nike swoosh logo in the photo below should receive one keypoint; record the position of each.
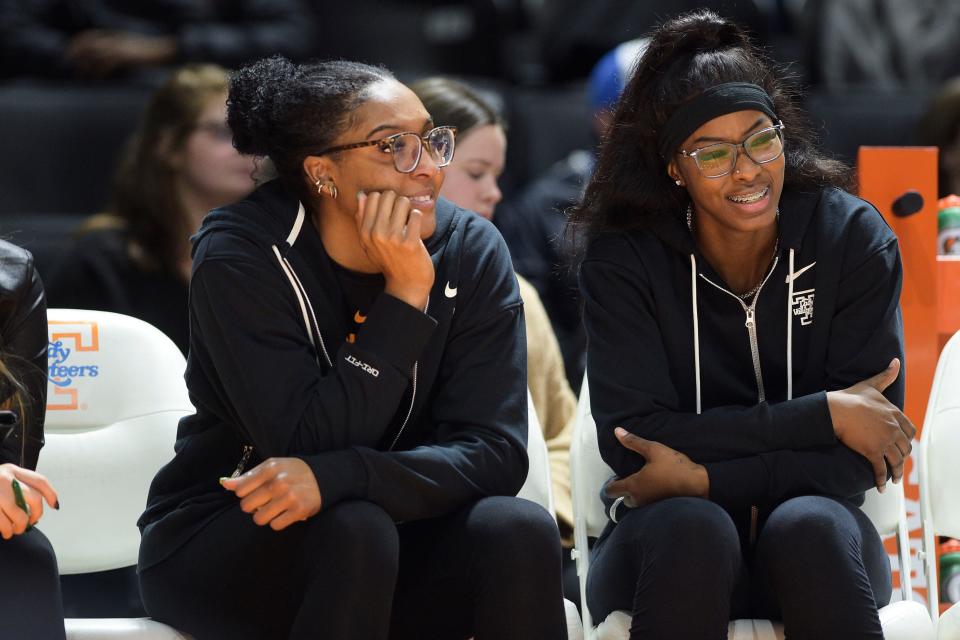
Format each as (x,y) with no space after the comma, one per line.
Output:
(797,274)
(450,292)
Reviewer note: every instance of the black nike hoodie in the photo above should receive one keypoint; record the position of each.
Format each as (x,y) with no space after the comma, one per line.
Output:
(675,357)
(425,412)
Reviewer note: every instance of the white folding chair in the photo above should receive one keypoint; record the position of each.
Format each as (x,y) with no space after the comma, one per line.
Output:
(115,395)
(940,478)
(538,488)
(904,620)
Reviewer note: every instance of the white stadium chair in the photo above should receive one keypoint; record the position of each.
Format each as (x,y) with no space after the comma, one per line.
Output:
(538,488)
(115,395)
(939,467)
(904,620)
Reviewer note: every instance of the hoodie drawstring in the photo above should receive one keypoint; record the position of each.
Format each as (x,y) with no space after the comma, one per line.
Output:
(696,327)
(790,329)
(306,307)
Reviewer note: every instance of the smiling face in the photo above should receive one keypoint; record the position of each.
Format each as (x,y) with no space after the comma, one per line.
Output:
(390,108)
(746,199)
(472,176)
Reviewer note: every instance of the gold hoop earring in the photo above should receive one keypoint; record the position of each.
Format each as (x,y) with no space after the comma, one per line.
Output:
(329,188)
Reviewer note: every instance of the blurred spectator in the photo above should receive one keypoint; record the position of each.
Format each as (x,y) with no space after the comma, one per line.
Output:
(883,44)
(180,164)
(117,38)
(533,223)
(940,127)
(470,181)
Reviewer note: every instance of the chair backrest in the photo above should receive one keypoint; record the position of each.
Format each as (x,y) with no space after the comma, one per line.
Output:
(588,470)
(114,398)
(938,463)
(537,487)
(888,513)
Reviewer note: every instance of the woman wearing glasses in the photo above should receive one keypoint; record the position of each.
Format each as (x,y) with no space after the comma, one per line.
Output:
(357,364)
(745,343)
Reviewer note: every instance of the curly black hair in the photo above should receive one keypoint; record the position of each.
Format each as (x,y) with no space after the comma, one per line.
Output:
(686,55)
(288,111)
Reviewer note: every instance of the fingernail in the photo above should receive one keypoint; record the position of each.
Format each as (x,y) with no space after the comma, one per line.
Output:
(223,479)
(361,193)
(620,431)
(882,488)
(56,505)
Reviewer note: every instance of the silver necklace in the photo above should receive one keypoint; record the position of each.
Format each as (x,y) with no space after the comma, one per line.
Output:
(776,248)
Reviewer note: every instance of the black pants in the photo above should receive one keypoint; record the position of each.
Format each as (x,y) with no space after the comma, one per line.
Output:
(490,570)
(818,565)
(30,606)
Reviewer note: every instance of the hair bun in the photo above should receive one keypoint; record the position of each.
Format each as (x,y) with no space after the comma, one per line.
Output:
(254,103)
(705,30)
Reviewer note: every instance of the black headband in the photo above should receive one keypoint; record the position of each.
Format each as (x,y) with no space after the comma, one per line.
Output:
(715,101)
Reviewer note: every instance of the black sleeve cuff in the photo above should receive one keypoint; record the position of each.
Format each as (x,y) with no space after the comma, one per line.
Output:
(804,423)
(340,476)
(738,483)
(395,331)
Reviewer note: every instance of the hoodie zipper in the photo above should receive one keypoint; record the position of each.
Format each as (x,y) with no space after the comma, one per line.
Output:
(244,459)
(750,323)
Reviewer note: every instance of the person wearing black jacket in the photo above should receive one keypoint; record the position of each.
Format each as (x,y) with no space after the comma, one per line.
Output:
(30,603)
(745,342)
(357,363)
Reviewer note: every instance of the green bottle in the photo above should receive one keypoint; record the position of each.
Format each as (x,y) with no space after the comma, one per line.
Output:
(948,226)
(950,577)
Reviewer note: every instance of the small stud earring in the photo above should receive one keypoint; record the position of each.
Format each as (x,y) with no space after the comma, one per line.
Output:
(679,183)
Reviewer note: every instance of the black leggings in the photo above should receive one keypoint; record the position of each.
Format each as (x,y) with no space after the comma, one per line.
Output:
(30,605)
(490,570)
(818,565)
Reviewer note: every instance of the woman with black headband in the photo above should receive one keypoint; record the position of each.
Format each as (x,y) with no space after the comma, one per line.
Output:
(745,345)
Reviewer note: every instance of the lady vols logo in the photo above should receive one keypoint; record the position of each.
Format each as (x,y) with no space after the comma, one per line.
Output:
(69,349)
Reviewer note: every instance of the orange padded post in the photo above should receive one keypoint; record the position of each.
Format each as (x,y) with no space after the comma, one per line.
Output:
(886,174)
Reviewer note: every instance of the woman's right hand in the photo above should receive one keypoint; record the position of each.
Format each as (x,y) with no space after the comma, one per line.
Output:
(389,229)
(35,488)
(865,421)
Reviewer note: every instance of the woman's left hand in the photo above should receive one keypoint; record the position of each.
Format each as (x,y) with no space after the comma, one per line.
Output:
(278,492)
(667,473)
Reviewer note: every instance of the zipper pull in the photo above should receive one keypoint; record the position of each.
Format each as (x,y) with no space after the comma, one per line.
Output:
(244,459)
(750,318)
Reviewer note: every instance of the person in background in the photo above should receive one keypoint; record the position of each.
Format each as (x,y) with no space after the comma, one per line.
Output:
(358,368)
(471,182)
(940,127)
(745,349)
(179,165)
(30,604)
(533,222)
(116,39)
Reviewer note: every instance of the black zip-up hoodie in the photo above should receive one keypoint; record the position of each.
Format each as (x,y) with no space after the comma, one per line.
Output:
(673,359)
(422,414)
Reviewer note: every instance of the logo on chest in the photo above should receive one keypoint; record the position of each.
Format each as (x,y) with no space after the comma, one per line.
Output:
(802,306)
